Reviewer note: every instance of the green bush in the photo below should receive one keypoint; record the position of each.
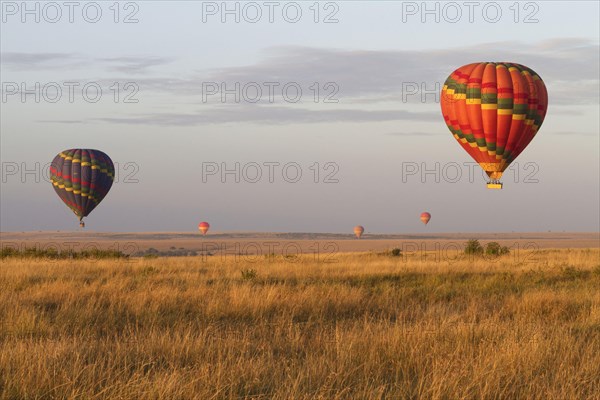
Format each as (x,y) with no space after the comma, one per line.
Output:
(249,274)
(56,254)
(395,252)
(494,249)
(473,247)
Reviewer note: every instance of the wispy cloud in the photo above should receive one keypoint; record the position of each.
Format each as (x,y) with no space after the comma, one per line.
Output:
(571,133)
(378,79)
(568,66)
(43,61)
(62,121)
(134,64)
(437,132)
(39,61)
(268,114)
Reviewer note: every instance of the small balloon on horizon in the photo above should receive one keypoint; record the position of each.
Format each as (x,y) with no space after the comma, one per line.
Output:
(358,231)
(203,227)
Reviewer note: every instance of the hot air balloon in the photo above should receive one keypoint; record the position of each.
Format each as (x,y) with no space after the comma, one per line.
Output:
(82,178)
(358,231)
(203,227)
(425,217)
(494,110)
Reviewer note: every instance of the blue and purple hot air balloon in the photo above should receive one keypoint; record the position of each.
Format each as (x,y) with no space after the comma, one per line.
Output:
(82,178)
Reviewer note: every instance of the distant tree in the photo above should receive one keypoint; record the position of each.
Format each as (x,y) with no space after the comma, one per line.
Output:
(494,249)
(473,247)
(396,252)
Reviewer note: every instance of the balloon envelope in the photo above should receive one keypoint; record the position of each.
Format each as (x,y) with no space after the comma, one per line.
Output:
(425,217)
(82,178)
(494,110)
(358,231)
(203,227)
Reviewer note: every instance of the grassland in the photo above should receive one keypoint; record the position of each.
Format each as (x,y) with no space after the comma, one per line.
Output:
(367,326)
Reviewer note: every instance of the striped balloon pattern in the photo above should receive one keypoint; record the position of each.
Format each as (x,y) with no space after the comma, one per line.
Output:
(494,110)
(82,178)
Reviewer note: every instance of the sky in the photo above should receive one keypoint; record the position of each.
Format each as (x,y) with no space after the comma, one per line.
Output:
(292,116)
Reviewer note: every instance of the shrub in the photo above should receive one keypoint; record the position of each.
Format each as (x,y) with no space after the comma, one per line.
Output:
(572,273)
(473,247)
(57,254)
(248,274)
(494,249)
(396,252)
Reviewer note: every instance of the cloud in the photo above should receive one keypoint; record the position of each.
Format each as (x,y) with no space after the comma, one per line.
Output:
(39,61)
(568,66)
(571,63)
(571,133)
(269,115)
(370,83)
(411,133)
(134,64)
(62,121)
(42,61)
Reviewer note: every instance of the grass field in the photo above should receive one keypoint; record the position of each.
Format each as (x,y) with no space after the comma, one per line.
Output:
(366,326)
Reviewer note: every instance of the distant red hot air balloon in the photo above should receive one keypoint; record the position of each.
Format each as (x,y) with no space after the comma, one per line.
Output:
(425,217)
(358,231)
(203,227)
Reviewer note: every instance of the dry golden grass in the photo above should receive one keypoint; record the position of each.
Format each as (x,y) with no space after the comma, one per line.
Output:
(366,327)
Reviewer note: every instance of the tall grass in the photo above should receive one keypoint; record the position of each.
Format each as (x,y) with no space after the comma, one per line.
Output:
(53,253)
(365,327)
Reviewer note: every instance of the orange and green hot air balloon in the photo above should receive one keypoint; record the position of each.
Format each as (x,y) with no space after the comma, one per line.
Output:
(82,178)
(203,227)
(358,231)
(425,217)
(494,110)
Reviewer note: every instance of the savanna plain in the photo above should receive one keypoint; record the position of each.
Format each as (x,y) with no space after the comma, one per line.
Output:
(369,325)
